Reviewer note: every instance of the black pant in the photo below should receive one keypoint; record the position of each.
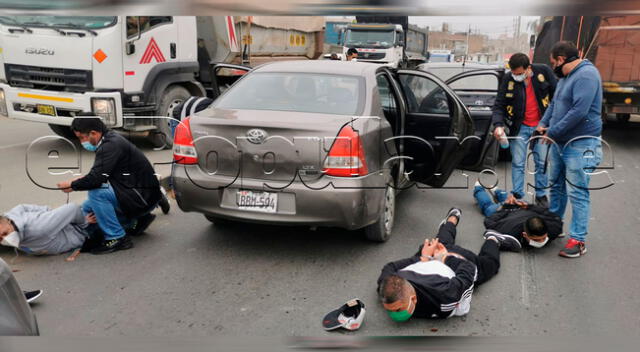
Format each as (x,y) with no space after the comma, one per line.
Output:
(487,261)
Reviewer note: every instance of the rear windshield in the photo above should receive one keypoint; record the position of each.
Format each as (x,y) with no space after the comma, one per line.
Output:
(304,92)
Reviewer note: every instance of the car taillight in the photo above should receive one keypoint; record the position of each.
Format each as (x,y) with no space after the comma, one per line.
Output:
(184,152)
(346,156)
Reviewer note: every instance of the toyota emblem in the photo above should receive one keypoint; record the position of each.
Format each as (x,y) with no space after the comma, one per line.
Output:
(256,136)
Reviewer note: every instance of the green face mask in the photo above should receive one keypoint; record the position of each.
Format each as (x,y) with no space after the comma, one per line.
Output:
(402,315)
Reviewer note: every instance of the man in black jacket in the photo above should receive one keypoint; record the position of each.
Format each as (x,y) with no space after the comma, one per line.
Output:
(123,188)
(438,281)
(523,97)
(531,225)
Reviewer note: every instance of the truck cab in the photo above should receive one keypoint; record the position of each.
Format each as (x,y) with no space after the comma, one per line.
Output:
(378,43)
(130,70)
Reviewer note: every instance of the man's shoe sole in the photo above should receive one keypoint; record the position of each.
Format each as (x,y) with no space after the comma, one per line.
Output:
(580,254)
(497,234)
(32,299)
(128,245)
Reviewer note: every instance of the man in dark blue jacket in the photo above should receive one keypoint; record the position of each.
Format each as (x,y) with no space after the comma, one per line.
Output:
(573,124)
(123,188)
(524,94)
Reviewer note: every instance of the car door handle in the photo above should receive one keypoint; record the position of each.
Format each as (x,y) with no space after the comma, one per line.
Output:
(172,49)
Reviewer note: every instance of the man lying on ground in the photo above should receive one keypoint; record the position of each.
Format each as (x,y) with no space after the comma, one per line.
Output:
(438,281)
(531,225)
(39,230)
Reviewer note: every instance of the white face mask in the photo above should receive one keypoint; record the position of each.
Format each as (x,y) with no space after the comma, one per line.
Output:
(520,78)
(536,244)
(11,240)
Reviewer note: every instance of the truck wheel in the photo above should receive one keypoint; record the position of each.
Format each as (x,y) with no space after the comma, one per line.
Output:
(63,131)
(172,97)
(381,230)
(623,118)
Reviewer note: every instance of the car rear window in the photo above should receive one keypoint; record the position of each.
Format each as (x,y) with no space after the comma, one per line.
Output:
(304,92)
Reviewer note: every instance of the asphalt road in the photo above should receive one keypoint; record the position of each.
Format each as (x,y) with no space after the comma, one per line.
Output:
(187,277)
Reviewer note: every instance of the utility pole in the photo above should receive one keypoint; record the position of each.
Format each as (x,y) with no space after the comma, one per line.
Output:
(464,61)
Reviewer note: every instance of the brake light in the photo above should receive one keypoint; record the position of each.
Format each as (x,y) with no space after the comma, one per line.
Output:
(346,156)
(184,152)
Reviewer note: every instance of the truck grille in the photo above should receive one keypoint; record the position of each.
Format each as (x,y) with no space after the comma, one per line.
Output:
(47,78)
(371,56)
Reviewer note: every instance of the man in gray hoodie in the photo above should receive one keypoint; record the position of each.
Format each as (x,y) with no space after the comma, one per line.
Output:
(40,230)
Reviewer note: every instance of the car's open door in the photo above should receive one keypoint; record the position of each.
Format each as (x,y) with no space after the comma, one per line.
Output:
(225,75)
(477,90)
(437,123)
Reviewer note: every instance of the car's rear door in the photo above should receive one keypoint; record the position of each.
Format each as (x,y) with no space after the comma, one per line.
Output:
(437,123)
(478,90)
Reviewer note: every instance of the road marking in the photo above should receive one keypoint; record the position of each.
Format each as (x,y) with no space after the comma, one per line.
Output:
(528,278)
(45,97)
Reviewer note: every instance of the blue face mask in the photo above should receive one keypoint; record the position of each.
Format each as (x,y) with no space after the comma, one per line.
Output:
(88,146)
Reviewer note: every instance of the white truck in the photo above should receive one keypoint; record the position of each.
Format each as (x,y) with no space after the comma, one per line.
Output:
(441,55)
(388,40)
(130,70)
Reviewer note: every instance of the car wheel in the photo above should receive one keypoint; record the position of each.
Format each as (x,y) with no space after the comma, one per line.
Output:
(218,221)
(63,131)
(623,118)
(162,137)
(381,230)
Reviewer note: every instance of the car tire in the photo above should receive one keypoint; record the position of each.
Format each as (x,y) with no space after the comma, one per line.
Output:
(172,97)
(217,221)
(63,131)
(623,118)
(381,230)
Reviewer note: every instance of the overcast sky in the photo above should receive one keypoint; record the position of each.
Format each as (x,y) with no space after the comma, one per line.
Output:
(490,25)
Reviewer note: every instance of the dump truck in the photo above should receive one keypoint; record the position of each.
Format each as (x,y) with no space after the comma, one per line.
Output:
(131,70)
(387,40)
(612,43)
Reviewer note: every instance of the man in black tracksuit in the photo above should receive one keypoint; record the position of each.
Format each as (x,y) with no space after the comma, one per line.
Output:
(438,281)
(532,225)
(123,188)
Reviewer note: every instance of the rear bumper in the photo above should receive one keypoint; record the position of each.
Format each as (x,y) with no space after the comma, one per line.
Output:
(64,102)
(349,203)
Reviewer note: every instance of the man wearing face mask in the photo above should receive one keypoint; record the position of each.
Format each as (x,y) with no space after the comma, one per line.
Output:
(573,124)
(438,281)
(123,188)
(531,225)
(524,94)
(39,230)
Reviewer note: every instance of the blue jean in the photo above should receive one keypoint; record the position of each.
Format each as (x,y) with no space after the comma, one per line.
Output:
(569,178)
(103,203)
(485,200)
(518,158)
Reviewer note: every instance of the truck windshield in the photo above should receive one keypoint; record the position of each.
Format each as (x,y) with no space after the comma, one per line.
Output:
(369,38)
(303,92)
(80,22)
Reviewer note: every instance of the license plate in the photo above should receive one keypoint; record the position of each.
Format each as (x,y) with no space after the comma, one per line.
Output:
(625,109)
(264,202)
(46,110)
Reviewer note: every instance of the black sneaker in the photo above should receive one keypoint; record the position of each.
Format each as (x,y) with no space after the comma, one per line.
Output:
(110,246)
(164,202)
(506,242)
(542,202)
(142,223)
(452,212)
(31,296)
